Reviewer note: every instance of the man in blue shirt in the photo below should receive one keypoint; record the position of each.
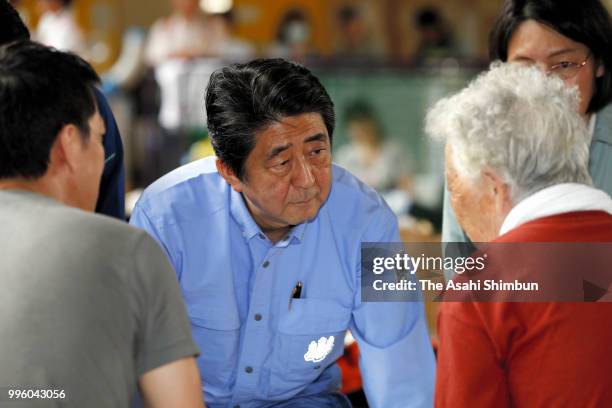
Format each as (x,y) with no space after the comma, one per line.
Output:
(265,240)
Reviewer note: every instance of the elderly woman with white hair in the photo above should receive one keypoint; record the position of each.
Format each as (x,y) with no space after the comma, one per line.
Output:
(568,39)
(517,155)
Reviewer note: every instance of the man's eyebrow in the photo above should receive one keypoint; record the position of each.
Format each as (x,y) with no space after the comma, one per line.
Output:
(278,150)
(319,137)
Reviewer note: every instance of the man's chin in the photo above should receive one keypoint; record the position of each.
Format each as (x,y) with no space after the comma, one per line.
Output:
(304,215)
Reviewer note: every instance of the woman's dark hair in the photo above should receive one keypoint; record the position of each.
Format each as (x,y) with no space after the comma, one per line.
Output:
(586,21)
(242,99)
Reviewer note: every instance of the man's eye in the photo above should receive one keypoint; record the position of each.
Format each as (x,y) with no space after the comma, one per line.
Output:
(317,152)
(282,164)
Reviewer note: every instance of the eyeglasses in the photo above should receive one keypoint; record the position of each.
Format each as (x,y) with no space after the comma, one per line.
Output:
(567,69)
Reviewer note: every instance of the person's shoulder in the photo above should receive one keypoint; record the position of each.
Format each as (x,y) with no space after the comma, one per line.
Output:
(578,226)
(196,187)
(603,124)
(352,199)
(606,112)
(98,232)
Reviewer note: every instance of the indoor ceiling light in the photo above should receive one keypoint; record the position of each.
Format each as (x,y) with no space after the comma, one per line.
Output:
(216,6)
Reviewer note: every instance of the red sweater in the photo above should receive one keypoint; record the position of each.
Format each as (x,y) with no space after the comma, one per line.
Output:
(529,354)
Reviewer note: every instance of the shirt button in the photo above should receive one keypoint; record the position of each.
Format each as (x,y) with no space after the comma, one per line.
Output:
(248,369)
(257,317)
(265,264)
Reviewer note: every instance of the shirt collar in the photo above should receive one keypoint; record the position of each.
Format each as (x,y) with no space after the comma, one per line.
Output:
(249,227)
(557,199)
(242,216)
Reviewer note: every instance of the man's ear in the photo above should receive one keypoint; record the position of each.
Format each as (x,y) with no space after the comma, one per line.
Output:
(228,175)
(66,149)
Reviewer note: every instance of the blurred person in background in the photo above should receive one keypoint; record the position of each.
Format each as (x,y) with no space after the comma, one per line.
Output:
(58,28)
(517,155)
(184,34)
(223,43)
(293,37)
(91,308)
(175,49)
(354,37)
(370,155)
(435,37)
(382,163)
(111,197)
(571,40)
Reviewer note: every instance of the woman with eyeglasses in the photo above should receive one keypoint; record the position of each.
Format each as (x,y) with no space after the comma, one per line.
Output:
(571,39)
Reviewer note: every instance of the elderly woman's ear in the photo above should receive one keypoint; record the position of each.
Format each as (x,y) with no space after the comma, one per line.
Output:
(498,189)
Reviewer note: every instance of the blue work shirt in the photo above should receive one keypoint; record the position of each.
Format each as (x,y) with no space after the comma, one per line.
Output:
(237,286)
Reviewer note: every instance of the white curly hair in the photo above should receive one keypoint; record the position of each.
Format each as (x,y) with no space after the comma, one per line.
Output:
(519,122)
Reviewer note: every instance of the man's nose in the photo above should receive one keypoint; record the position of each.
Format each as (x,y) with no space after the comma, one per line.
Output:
(303,175)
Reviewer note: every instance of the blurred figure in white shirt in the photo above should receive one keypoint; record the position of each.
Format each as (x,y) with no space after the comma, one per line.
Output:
(58,28)
(223,43)
(182,35)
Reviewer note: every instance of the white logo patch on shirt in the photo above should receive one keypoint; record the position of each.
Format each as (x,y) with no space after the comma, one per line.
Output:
(317,351)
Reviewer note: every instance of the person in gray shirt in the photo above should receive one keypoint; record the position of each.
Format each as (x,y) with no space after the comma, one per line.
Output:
(91,309)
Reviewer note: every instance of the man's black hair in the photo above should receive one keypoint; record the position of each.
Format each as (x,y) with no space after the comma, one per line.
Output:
(11,26)
(41,91)
(243,99)
(585,21)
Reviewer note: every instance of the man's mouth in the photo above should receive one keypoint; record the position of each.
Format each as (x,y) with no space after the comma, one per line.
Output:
(304,202)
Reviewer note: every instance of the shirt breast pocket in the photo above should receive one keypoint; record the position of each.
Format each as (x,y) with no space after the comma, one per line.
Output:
(310,338)
(216,330)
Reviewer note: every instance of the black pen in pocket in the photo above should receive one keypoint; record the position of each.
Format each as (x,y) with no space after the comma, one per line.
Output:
(296,293)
